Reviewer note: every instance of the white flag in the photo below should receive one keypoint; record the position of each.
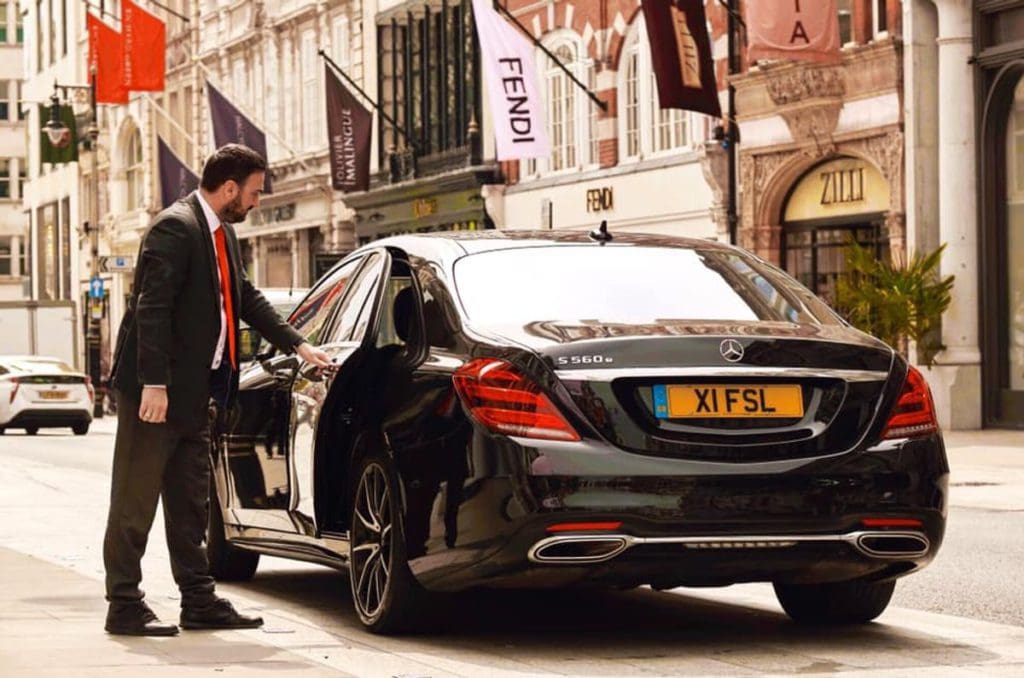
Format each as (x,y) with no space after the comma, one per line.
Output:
(511,73)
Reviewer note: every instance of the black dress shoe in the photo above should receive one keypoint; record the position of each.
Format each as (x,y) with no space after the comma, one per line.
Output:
(136,620)
(218,615)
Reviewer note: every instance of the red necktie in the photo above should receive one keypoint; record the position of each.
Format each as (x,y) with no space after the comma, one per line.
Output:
(225,291)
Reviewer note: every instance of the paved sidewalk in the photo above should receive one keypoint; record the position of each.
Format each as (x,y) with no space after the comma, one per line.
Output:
(51,625)
(986,469)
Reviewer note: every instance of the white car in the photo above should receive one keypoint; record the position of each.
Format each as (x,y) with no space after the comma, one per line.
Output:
(39,392)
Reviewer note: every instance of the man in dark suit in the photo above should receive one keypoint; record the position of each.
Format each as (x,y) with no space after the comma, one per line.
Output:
(176,356)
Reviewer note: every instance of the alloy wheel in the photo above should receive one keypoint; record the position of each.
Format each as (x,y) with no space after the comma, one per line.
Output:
(371,541)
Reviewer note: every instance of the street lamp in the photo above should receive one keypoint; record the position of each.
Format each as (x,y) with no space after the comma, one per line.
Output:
(59,136)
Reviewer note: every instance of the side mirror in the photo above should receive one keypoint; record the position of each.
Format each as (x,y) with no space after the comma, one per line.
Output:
(249,340)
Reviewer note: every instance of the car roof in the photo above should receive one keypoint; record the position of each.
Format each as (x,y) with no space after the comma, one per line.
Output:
(451,245)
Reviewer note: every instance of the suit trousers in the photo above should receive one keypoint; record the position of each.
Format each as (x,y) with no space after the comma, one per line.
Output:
(169,461)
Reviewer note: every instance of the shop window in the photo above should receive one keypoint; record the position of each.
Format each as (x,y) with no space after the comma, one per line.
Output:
(1015,240)
(134,170)
(5,101)
(646,128)
(817,256)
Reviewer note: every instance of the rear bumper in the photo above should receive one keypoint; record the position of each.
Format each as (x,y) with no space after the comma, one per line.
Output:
(49,418)
(711,524)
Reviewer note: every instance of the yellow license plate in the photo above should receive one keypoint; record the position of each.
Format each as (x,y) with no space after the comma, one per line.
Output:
(53,395)
(712,401)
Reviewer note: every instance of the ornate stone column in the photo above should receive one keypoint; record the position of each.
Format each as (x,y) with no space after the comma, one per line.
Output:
(959,370)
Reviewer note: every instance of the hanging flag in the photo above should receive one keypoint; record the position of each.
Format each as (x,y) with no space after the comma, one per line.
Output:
(145,47)
(65,148)
(106,62)
(350,130)
(794,29)
(511,72)
(681,55)
(231,127)
(176,179)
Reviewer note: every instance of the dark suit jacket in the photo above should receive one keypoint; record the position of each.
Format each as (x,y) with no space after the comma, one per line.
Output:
(170,330)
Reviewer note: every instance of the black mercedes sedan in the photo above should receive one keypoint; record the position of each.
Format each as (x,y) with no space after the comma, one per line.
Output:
(538,409)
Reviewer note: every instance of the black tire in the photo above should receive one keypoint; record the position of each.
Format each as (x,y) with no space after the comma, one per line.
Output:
(848,602)
(227,562)
(80,429)
(32,430)
(386,596)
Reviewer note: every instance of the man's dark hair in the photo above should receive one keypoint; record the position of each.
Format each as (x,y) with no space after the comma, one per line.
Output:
(231,162)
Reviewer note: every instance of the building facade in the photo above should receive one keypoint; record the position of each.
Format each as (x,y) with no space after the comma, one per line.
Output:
(630,163)
(265,57)
(998,49)
(964,65)
(14,240)
(52,194)
(821,152)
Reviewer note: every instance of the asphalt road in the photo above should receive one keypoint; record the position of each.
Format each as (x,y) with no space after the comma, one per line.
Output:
(976,575)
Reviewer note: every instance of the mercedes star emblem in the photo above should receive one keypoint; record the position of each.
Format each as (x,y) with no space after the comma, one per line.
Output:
(731,350)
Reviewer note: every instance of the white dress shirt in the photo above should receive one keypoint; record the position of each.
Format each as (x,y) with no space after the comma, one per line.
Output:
(214,221)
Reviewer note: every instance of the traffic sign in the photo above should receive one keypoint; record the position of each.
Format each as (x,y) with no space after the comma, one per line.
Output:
(114,264)
(96,287)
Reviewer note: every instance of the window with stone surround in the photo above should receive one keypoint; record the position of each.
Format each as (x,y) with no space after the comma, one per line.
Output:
(645,128)
(570,114)
(134,170)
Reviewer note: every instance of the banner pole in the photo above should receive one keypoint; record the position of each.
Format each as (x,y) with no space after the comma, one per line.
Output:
(387,118)
(603,105)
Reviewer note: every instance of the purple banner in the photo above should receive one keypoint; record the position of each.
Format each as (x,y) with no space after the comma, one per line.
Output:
(681,55)
(350,132)
(176,179)
(231,127)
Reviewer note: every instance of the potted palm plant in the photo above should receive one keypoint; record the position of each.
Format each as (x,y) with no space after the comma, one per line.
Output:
(898,303)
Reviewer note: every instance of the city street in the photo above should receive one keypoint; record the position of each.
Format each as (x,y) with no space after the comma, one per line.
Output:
(962,616)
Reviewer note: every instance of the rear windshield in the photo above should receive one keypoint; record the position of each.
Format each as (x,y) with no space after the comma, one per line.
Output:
(35,365)
(626,284)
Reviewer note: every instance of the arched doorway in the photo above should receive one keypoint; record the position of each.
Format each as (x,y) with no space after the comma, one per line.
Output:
(1002,233)
(840,200)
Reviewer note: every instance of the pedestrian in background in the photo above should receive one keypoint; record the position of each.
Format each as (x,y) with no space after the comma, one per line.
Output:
(176,357)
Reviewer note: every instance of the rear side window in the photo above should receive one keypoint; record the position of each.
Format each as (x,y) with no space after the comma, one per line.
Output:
(627,284)
(312,314)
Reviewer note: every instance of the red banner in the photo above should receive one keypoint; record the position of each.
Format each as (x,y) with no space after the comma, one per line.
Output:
(106,61)
(145,48)
(794,29)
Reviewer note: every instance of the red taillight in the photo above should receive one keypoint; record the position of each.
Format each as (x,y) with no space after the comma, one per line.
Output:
(14,393)
(891,522)
(584,527)
(504,400)
(90,389)
(914,412)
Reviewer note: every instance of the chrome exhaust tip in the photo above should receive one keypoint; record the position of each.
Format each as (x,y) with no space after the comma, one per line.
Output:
(595,548)
(892,544)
